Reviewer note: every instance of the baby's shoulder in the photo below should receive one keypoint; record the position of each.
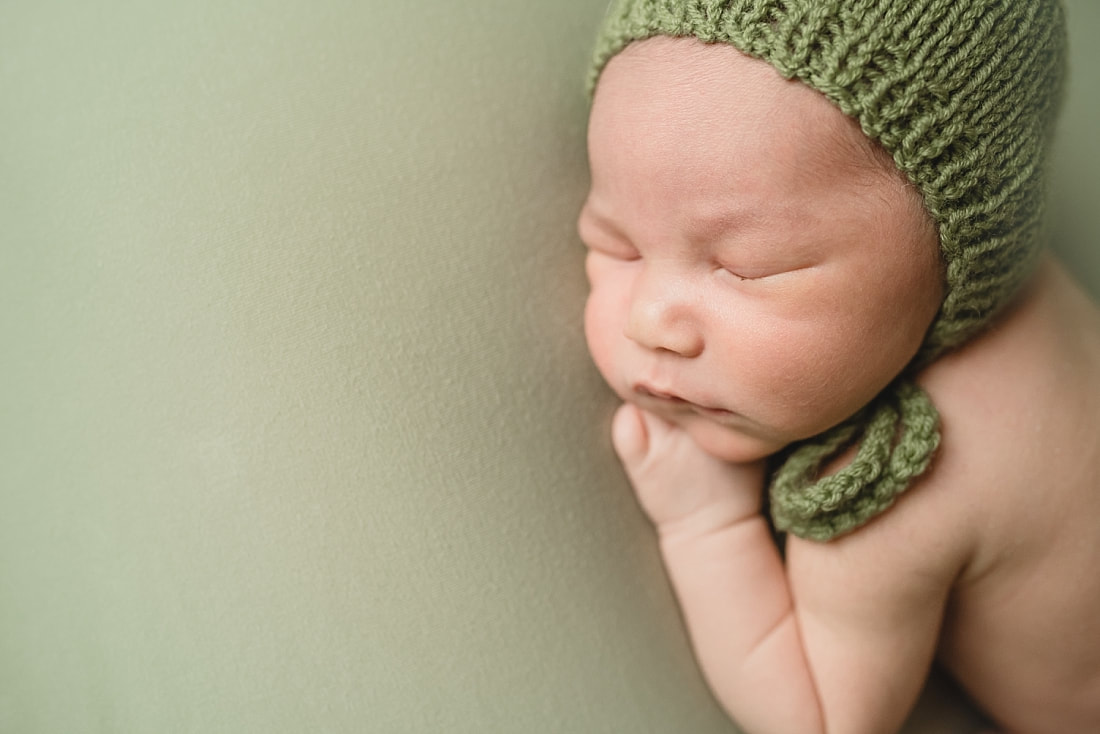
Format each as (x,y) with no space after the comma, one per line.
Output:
(1027,390)
(1020,412)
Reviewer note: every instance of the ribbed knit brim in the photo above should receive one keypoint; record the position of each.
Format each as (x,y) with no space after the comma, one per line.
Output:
(962,93)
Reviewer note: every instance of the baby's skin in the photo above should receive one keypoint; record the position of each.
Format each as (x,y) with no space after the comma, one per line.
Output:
(759,271)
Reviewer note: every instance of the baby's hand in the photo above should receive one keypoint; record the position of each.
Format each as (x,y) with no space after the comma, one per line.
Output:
(683,489)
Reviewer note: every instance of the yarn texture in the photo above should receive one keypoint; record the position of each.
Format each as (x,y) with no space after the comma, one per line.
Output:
(963,94)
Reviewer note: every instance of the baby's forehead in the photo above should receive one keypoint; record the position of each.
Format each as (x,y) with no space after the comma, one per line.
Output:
(682,88)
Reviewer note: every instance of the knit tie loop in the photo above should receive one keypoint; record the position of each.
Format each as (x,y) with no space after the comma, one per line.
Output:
(897,435)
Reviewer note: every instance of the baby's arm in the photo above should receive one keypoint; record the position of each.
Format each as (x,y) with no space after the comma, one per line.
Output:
(838,641)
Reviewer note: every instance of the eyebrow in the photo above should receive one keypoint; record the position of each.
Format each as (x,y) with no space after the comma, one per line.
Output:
(708,224)
(721,220)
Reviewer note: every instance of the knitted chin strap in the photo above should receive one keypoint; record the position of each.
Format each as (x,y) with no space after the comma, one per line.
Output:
(963,95)
(897,435)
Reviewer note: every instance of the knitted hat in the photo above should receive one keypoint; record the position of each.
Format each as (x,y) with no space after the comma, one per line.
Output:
(963,95)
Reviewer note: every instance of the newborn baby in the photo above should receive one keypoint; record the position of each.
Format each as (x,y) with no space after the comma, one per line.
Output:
(817,263)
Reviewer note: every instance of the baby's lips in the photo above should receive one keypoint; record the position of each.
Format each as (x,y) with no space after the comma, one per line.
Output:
(648,391)
(651,392)
(715,413)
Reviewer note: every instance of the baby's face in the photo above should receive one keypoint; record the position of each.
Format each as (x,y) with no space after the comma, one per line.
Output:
(757,273)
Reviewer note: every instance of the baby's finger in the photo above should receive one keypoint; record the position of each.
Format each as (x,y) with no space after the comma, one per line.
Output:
(629,434)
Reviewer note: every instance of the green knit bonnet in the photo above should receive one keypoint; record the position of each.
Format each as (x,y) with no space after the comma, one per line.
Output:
(963,95)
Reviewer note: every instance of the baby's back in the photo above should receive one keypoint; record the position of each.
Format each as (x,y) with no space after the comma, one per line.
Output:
(1021,421)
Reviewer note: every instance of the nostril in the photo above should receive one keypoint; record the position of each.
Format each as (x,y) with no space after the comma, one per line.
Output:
(681,340)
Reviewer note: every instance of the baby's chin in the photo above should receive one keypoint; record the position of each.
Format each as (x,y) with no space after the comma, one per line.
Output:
(729,444)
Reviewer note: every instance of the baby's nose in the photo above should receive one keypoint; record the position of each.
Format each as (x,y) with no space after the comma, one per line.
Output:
(662,318)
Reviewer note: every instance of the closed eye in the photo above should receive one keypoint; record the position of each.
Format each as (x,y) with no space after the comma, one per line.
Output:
(600,235)
(740,273)
(616,251)
(606,244)
(746,272)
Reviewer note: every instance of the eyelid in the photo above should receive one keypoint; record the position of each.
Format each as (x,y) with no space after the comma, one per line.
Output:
(612,248)
(771,272)
(734,272)
(601,235)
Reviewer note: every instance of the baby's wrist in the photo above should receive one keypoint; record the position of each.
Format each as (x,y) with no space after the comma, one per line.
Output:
(738,500)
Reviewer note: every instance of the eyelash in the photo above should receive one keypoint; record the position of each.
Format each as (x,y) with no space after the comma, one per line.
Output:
(735,274)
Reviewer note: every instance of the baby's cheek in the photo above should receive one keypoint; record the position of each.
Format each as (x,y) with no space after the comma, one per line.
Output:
(795,374)
(599,332)
(833,375)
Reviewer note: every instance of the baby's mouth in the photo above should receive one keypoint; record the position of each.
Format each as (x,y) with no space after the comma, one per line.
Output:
(718,414)
(652,393)
(649,392)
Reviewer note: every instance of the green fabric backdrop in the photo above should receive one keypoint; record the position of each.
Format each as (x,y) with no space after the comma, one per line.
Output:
(297,429)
